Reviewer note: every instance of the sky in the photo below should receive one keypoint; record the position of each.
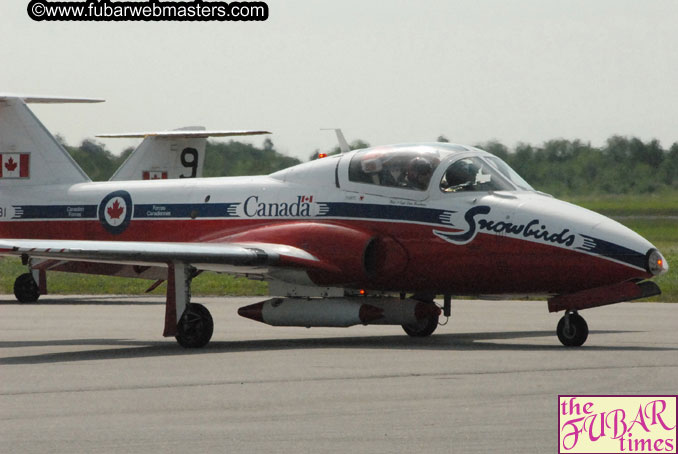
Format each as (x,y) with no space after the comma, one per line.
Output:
(387,71)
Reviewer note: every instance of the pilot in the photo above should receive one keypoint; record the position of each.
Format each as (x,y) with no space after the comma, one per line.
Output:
(419,172)
(459,177)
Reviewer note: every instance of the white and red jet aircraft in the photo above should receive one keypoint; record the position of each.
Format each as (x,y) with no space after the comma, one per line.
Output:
(419,219)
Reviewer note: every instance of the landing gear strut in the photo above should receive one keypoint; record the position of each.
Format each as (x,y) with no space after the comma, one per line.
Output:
(572,329)
(25,289)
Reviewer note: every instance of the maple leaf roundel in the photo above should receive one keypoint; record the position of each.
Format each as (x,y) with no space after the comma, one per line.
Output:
(115,211)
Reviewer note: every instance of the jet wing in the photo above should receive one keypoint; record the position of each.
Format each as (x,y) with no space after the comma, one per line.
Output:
(161,253)
(183,134)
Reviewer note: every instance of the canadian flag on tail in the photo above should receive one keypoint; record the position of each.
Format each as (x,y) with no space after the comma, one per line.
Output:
(14,165)
(154,175)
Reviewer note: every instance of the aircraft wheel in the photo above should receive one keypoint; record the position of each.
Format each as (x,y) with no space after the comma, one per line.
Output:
(195,327)
(575,335)
(423,328)
(25,289)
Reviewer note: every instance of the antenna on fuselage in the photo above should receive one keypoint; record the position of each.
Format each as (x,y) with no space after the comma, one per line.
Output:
(343,145)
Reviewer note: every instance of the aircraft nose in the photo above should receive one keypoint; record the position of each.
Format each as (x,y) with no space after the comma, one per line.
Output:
(656,263)
(605,237)
(626,245)
(598,235)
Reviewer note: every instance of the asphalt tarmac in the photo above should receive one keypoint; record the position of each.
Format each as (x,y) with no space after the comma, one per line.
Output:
(93,374)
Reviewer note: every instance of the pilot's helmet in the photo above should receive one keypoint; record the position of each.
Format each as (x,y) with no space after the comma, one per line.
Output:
(419,172)
(459,173)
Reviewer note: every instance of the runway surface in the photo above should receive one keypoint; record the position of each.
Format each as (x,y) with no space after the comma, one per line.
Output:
(94,375)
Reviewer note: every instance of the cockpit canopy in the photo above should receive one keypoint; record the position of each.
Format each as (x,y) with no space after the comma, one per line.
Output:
(406,169)
(414,167)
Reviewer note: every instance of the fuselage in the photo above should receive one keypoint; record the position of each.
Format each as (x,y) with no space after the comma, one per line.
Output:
(512,240)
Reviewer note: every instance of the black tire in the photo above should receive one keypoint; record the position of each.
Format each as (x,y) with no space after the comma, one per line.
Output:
(423,328)
(25,289)
(195,328)
(576,335)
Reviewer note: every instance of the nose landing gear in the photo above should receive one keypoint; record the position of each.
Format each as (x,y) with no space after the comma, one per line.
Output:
(428,324)
(572,329)
(422,328)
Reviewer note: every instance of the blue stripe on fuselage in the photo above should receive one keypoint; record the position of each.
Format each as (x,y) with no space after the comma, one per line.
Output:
(613,251)
(385,212)
(184,210)
(228,210)
(159,210)
(55,212)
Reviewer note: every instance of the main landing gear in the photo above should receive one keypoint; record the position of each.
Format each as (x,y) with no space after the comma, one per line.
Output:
(425,326)
(195,327)
(191,324)
(572,329)
(26,289)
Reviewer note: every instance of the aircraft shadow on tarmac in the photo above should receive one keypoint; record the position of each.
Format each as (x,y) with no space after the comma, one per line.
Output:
(89,300)
(129,349)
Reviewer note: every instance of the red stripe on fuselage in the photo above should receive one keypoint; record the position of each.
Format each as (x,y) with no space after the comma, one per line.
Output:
(490,264)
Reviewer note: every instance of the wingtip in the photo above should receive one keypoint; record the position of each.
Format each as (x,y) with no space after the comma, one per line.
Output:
(33,99)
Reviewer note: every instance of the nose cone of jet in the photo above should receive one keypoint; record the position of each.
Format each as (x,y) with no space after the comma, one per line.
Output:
(598,236)
(627,246)
(656,263)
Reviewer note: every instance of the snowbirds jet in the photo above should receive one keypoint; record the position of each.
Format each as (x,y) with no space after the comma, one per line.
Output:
(365,237)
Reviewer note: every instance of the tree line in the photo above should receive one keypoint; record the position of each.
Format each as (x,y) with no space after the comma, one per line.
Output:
(571,167)
(560,167)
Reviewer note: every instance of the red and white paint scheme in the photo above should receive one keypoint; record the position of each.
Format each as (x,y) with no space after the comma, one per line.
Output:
(365,237)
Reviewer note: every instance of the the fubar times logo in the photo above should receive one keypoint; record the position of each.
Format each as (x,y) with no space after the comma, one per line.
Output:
(617,424)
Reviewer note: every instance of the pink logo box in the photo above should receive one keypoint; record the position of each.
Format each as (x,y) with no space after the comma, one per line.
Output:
(612,424)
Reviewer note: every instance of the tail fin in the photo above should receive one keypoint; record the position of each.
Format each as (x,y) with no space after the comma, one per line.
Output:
(343,145)
(29,154)
(169,154)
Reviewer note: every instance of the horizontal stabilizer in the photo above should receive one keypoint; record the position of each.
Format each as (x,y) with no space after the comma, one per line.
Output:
(182,134)
(29,99)
(169,154)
